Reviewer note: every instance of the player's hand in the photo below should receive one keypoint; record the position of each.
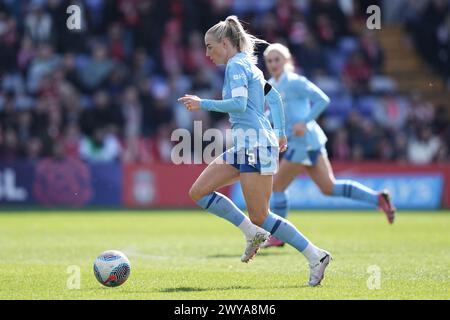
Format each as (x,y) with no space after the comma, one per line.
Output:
(282,142)
(190,102)
(299,129)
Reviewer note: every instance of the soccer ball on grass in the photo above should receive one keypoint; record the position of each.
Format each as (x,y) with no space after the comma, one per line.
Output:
(112,268)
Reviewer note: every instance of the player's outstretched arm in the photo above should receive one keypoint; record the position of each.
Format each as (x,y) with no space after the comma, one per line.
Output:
(319,100)
(235,104)
(275,102)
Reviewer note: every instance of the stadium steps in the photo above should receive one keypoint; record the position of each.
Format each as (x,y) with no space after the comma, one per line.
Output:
(403,64)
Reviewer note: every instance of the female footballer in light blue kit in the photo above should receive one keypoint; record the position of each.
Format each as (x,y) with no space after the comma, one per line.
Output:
(253,159)
(303,103)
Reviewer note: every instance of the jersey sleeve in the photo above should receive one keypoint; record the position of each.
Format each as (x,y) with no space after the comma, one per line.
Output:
(237,76)
(238,83)
(275,102)
(308,90)
(235,104)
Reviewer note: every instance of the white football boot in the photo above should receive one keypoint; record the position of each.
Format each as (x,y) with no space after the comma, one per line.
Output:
(317,268)
(254,243)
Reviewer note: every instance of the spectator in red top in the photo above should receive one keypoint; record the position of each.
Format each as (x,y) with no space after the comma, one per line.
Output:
(372,51)
(129,12)
(71,141)
(392,112)
(117,47)
(340,147)
(172,48)
(357,73)
(195,58)
(325,31)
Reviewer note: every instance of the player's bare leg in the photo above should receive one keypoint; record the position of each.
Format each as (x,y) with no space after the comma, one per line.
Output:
(257,189)
(215,176)
(323,176)
(286,174)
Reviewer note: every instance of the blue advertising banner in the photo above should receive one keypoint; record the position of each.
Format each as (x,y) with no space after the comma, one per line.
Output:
(106,182)
(67,182)
(73,183)
(409,191)
(16,183)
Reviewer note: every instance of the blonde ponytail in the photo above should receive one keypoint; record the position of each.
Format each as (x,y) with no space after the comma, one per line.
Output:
(232,29)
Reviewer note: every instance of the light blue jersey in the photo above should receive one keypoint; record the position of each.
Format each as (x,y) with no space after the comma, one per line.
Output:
(244,100)
(241,72)
(303,102)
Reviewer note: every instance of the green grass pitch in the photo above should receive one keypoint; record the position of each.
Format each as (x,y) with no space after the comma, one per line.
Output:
(194,255)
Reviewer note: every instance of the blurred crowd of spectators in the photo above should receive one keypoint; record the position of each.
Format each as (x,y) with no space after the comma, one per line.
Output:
(429,24)
(109,92)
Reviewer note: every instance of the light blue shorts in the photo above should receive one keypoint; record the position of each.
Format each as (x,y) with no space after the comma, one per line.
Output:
(299,154)
(263,160)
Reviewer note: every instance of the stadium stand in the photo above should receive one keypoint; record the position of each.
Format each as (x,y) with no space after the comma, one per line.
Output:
(108,93)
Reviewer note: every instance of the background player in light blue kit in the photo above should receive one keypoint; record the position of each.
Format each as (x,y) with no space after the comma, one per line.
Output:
(253,159)
(303,103)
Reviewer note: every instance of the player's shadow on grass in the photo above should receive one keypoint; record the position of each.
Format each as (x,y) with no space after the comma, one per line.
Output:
(192,289)
(273,253)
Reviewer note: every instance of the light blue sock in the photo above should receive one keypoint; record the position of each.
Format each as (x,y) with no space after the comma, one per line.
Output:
(280,203)
(285,231)
(223,207)
(355,190)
